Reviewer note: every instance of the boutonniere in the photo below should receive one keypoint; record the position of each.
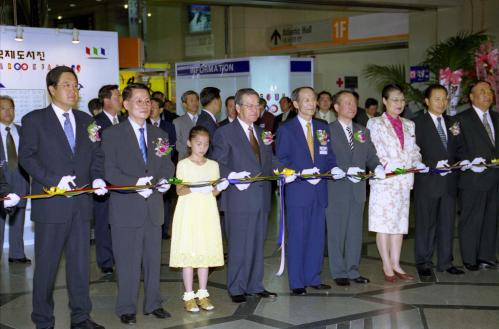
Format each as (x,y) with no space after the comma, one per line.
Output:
(93,132)
(455,129)
(322,136)
(359,136)
(267,137)
(162,147)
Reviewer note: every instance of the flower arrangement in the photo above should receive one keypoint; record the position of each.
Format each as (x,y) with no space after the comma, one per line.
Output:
(322,136)
(455,129)
(359,136)
(93,132)
(267,137)
(162,147)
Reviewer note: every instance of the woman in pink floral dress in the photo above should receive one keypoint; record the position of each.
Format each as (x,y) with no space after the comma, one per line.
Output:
(395,142)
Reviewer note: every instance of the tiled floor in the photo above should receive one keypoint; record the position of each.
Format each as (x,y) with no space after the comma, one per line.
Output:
(459,302)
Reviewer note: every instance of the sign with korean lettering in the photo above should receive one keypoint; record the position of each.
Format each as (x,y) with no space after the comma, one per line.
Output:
(420,73)
(25,64)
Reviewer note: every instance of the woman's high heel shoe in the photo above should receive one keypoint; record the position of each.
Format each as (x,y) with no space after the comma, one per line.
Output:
(403,276)
(390,278)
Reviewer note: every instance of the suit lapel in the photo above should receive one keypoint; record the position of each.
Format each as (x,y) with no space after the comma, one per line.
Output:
(53,124)
(393,140)
(339,134)
(81,131)
(151,138)
(432,130)
(243,140)
(480,127)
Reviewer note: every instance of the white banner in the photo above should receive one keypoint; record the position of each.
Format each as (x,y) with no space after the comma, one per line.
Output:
(25,64)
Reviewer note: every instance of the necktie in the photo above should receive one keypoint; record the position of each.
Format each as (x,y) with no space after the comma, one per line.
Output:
(350,137)
(254,143)
(68,130)
(310,140)
(115,121)
(156,123)
(487,127)
(142,145)
(194,119)
(441,132)
(11,150)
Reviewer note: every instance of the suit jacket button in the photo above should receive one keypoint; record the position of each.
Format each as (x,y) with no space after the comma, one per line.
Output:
(146,171)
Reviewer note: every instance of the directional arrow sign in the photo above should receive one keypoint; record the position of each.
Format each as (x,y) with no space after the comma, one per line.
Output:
(275,35)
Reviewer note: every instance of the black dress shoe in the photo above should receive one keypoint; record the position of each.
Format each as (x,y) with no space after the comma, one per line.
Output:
(107,270)
(160,313)
(23,260)
(426,272)
(360,279)
(484,264)
(454,270)
(342,281)
(87,324)
(321,286)
(471,267)
(128,318)
(299,291)
(238,298)
(267,294)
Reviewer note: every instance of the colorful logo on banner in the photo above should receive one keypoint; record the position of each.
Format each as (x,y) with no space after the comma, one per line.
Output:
(420,74)
(95,52)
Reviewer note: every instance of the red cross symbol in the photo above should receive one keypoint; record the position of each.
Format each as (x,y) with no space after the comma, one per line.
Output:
(339,82)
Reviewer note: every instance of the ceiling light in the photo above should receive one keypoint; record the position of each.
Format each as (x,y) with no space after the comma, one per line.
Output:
(125,6)
(72,5)
(19,33)
(149,14)
(76,36)
(59,17)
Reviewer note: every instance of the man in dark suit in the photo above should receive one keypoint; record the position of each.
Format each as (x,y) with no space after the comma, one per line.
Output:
(169,128)
(354,152)
(230,106)
(56,150)
(17,179)
(212,104)
(370,111)
(286,112)
(111,102)
(136,218)
(168,113)
(302,145)
(240,152)
(435,194)
(266,119)
(479,187)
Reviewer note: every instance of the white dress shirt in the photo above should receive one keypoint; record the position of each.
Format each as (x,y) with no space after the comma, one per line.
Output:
(303,123)
(110,117)
(344,126)
(435,122)
(245,128)
(60,115)
(136,130)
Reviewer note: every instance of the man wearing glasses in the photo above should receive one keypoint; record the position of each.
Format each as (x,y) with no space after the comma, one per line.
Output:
(55,150)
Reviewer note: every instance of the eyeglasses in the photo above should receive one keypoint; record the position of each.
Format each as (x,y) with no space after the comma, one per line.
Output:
(397,100)
(6,108)
(251,106)
(67,85)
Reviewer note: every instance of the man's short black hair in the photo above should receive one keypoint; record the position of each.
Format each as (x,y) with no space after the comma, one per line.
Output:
(208,94)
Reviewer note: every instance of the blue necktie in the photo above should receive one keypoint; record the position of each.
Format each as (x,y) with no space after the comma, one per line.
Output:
(142,145)
(68,130)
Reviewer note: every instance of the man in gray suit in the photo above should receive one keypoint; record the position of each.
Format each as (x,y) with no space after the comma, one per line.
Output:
(55,149)
(240,152)
(184,123)
(17,179)
(354,152)
(131,158)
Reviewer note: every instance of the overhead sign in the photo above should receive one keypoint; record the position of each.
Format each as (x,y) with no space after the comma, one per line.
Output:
(353,30)
(213,67)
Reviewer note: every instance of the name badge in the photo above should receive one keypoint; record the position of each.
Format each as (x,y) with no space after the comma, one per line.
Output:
(323,150)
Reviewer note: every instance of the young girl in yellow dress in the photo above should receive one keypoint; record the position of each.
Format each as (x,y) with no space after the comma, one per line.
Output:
(196,233)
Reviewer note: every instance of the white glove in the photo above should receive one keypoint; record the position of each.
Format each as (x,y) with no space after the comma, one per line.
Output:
(475,162)
(100,185)
(239,175)
(222,185)
(392,166)
(466,164)
(311,171)
(163,185)
(379,172)
(443,164)
(337,173)
(289,179)
(421,167)
(202,189)
(146,192)
(64,183)
(12,201)
(351,172)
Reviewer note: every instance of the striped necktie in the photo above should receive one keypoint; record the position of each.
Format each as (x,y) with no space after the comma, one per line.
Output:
(350,137)
(142,145)
(441,132)
(487,127)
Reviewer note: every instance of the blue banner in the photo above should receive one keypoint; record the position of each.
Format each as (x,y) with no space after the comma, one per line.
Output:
(301,66)
(211,68)
(420,74)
